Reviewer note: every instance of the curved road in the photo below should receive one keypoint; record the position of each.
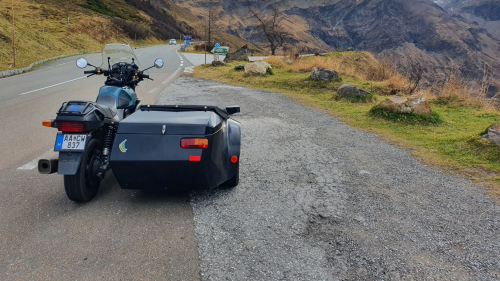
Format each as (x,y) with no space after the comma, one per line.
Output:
(120,234)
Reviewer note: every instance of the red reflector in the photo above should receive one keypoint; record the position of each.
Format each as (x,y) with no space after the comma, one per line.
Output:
(195,158)
(194,143)
(234,159)
(71,127)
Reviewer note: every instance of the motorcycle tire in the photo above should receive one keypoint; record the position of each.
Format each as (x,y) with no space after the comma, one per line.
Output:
(80,187)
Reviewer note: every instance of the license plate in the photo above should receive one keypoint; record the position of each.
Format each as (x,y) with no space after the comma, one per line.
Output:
(70,142)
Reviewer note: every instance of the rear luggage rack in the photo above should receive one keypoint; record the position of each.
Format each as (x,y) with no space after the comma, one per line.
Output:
(222,113)
(75,108)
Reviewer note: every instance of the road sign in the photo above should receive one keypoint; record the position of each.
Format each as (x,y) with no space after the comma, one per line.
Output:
(220,51)
(216,57)
(188,37)
(187,42)
(217,45)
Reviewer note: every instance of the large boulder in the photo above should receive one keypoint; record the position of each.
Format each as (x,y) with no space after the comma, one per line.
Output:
(258,68)
(349,91)
(240,55)
(218,63)
(323,74)
(493,134)
(415,104)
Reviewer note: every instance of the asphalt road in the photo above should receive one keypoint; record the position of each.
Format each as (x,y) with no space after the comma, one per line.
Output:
(120,235)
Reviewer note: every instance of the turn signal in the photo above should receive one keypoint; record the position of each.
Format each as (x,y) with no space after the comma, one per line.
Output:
(194,143)
(47,123)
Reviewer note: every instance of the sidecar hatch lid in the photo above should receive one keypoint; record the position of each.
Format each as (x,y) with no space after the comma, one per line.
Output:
(180,108)
(166,122)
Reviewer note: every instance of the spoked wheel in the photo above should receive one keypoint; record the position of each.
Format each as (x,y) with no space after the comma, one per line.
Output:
(83,186)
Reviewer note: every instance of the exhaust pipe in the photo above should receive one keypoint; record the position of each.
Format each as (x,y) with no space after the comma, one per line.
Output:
(48,166)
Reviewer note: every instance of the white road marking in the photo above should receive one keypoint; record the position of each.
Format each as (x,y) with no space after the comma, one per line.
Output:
(33,164)
(182,65)
(58,84)
(171,76)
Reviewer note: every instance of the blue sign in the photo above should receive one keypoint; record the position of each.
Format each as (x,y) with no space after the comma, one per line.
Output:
(188,37)
(217,45)
(187,42)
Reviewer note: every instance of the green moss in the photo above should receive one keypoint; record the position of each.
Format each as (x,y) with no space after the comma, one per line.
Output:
(434,118)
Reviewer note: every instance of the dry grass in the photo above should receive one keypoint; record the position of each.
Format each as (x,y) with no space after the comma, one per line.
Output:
(361,65)
(458,91)
(84,33)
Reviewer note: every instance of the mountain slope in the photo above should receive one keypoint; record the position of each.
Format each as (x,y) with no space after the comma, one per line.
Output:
(402,30)
(485,13)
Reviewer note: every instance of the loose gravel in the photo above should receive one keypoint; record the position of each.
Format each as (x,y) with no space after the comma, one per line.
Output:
(319,200)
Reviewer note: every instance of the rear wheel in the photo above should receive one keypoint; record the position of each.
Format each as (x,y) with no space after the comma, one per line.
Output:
(233,182)
(83,186)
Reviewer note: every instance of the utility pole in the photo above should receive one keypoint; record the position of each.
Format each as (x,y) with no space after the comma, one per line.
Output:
(13,34)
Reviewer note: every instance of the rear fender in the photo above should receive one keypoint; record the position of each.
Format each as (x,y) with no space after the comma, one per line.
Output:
(234,141)
(69,162)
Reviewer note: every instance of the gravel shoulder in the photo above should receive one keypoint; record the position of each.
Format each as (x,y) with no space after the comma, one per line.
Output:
(319,200)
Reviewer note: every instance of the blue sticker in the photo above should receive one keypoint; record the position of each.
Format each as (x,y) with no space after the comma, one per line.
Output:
(59,141)
(75,107)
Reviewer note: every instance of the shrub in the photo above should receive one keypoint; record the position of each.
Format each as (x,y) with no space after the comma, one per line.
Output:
(201,47)
(132,29)
(411,118)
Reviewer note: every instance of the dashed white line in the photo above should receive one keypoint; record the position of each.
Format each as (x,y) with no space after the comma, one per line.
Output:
(52,86)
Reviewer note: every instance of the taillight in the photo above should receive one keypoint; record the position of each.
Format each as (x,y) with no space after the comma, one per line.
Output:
(71,127)
(194,143)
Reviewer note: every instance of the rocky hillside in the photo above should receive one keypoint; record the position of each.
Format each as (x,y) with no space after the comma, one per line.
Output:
(401,30)
(485,13)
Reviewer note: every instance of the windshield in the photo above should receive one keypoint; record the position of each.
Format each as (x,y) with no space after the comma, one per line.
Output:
(118,53)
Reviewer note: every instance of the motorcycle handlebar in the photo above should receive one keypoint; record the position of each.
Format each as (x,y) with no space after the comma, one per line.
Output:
(90,72)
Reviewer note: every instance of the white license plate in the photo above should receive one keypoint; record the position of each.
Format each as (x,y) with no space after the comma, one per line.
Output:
(70,142)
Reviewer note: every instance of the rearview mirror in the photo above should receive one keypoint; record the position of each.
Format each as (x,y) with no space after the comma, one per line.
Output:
(159,63)
(233,109)
(81,63)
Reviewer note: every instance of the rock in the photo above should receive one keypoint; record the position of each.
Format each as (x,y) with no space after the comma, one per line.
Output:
(350,49)
(258,68)
(240,67)
(323,74)
(349,91)
(415,104)
(218,63)
(288,61)
(240,55)
(493,134)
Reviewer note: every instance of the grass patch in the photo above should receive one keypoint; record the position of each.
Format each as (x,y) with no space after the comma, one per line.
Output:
(424,119)
(450,138)
(99,7)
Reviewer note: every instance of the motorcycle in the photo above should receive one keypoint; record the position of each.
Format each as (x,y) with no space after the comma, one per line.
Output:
(87,129)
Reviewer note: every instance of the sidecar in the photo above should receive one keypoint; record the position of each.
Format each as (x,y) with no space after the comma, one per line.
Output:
(180,147)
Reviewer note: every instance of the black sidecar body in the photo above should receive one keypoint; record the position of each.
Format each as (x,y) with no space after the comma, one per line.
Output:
(179,147)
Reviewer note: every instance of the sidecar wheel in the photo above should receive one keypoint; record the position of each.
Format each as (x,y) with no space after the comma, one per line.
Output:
(232,182)
(83,186)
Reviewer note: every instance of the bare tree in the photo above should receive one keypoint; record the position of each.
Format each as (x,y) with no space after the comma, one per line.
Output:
(212,27)
(272,28)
